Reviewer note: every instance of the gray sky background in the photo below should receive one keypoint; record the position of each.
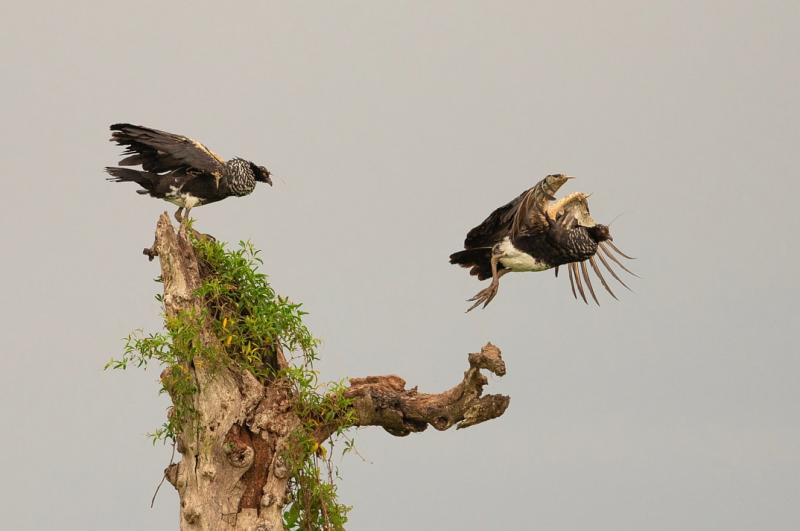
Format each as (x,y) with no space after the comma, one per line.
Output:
(393,128)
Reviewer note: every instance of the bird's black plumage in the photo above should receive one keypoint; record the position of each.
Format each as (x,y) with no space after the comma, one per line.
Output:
(181,170)
(536,232)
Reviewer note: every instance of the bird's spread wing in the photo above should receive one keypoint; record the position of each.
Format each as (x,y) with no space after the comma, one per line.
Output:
(571,211)
(523,215)
(494,227)
(531,214)
(159,151)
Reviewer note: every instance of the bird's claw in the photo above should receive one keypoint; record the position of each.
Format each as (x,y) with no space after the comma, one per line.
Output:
(484,297)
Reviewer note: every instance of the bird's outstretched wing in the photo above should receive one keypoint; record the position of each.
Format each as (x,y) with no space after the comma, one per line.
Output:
(571,211)
(159,151)
(494,227)
(531,215)
(524,215)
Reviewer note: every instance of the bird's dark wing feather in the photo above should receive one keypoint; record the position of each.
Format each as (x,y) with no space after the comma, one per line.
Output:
(159,151)
(525,215)
(531,215)
(495,227)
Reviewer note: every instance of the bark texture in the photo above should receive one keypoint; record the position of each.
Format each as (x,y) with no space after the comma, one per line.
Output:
(231,475)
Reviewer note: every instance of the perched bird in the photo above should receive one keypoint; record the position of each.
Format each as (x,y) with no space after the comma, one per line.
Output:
(181,170)
(536,232)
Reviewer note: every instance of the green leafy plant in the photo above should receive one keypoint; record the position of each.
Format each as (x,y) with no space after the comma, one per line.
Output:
(251,324)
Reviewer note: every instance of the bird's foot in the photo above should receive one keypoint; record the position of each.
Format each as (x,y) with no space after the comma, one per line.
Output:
(484,296)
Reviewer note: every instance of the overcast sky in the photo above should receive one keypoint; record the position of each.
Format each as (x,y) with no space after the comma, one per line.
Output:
(392,129)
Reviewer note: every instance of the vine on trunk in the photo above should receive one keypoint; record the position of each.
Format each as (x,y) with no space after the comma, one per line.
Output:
(253,327)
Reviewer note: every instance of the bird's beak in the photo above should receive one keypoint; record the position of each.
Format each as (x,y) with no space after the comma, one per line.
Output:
(568,177)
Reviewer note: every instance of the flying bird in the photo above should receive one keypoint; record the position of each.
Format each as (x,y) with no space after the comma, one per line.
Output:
(536,232)
(181,170)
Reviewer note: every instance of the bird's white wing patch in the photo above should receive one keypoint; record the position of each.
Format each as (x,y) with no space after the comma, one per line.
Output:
(184,200)
(190,201)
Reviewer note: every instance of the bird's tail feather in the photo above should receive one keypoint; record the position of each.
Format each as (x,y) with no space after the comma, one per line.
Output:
(145,179)
(479,260)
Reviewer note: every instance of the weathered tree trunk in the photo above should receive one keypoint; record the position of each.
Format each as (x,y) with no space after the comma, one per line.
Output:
(232,476)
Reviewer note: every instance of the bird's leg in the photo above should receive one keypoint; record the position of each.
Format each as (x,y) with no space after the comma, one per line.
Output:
(485,296)
(178,215)
(184,219)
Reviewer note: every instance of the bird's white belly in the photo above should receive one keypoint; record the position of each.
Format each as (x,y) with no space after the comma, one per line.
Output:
(516,260)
